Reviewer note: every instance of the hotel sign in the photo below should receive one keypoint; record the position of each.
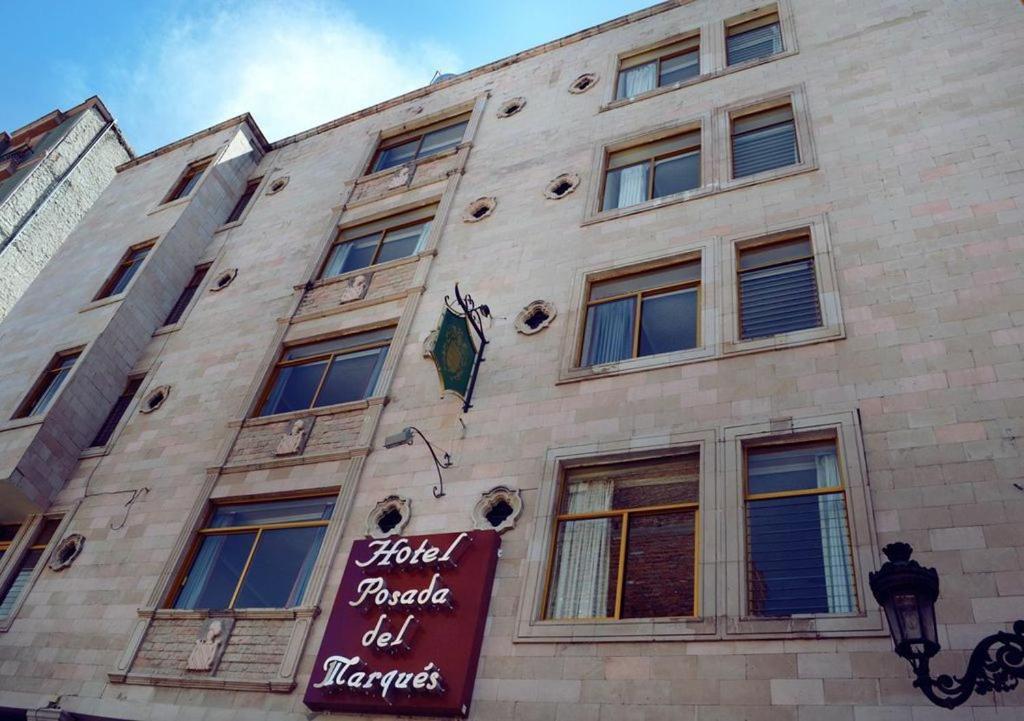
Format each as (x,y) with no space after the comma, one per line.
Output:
(405,632)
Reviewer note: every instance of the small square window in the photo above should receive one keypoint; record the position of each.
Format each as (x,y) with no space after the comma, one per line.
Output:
(420,143)
(255,555)
(626,541)
(798,536)
(652,170)
(749,40)
(48,385)
(188,180)
(125,271)
(764,141)
(778,288)
(666,65)
(642,314)
(327,372)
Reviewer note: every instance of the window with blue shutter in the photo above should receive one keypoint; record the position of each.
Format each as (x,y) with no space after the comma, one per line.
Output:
(757,38)
(778,289)
(764,141)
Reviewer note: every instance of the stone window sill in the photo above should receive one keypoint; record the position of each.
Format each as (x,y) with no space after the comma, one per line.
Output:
(170,328)
(109,300)
(259,614)
(784,340)
(415,165)
(16,423)
(808,626)
(171,204)
(632,630)
(637,365)
(370,269)
(322,411)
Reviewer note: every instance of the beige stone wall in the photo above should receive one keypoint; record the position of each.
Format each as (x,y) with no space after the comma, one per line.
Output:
(913,198)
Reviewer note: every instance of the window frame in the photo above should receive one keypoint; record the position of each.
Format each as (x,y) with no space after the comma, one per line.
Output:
(274,370)
(418,134)
(764,243)
(624,514)
(384,230)
(693,37)
(194,170)
(802,440)
(640,295)
(767,15)
(123,265)
(40,386)
(249,195)
(203,268)
(204,529)
(653,163)
(734,135)
(139,381)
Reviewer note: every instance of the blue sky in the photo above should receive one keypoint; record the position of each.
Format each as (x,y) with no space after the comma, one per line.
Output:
(167,68)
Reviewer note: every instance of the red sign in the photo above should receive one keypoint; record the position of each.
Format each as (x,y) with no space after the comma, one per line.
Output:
(405,632)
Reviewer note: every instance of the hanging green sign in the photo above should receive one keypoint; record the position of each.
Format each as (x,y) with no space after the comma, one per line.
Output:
(454,354)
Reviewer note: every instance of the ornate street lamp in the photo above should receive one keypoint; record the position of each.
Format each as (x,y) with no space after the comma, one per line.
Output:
(907,591)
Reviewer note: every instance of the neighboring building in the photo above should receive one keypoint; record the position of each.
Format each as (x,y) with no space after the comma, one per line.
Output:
(777,252)
(51,172)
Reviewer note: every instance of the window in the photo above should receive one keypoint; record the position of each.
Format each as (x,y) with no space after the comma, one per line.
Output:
(654,170)
(187,294)
(255,555)
(398,236)
(126,270)
(17,581)
(626,542)
(421,143)
(48,385)
(7,533)
(752,39)
(764,141)
(243,202)
(188,180)
(328,372)
(798,540)
(114,417)
(666,65)
(778,291)
(642,314)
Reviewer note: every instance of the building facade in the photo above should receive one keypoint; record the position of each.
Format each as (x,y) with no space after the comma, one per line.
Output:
(51,172)
(754,310)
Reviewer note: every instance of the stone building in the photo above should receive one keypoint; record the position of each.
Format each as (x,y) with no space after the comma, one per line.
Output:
(51,172)
(753,273)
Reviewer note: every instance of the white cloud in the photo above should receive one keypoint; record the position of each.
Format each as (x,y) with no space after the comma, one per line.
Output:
(293,66)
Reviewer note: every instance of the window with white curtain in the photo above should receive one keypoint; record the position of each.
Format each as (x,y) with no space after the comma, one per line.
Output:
(798,537)
(641,314)
(394,237)
(666,65)
(626,541)
(652,170)
(760,37)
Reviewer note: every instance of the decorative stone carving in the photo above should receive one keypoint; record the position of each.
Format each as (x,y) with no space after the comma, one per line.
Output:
(400,178)
(561,186)
(223,280)
(154,399)
(511,106)
(355,288)
(428,344)
(583,83)
(535,317)
(277,185)
(294,441)
(479,209)
(389,517)
(209,647)
(498,509)
(66,552)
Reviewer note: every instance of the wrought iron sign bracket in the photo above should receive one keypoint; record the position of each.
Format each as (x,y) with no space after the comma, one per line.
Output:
(467,308)
(405,438)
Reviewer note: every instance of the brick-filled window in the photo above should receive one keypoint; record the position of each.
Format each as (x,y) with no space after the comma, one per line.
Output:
(666,65)
(748,40)
(778,291)
(188,180)
(327,372)
(254,555)
(7,533)
(17,581)
(763,141)
(187,294)
(46,388)
(798,537)
(652,170)
(243,202)
(642,314)
(626,541)
(419,143)
(125,271)
(394,237)
(116,413)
